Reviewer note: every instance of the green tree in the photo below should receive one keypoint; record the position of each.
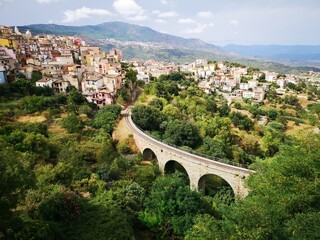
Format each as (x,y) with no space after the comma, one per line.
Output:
(72,123)
(131,75)
(224,109)
(122,93)
(32,104)
(22,86)
(49,213)
(36,75)
(217,127)
(272,114)
(237,105)
(182,133)
(213,148)
(147,117)
(272,95)
(284,197)
(262,77)
(157,103)
(241,121)
(75,97)
(37,143)
(283,201)
(291,100)
(211,105)
(106,117)
(252,70)
(16,177)
(272,140)
(103,218)
(171,206)
(204,228)
(171,112)
(166,89)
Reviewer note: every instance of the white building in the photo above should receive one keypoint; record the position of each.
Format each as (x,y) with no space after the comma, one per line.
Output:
(282,83)
(244,86)
(45,82)
(143,76)
(252,84)
(248,94)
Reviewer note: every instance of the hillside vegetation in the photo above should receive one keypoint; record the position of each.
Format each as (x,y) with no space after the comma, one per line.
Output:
(64,177)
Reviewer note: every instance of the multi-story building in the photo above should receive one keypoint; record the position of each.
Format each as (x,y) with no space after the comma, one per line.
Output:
(53,69)
(60,86)
(5,31)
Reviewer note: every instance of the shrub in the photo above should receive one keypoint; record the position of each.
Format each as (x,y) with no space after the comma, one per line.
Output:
(72,123)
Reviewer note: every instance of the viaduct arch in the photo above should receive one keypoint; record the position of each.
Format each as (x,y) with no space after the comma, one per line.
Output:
(195,166)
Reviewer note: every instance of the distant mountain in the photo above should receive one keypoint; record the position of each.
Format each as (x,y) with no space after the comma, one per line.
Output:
(294,54)
(124,32)
(142,42)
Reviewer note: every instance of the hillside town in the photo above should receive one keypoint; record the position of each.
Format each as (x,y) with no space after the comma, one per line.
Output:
(66,61)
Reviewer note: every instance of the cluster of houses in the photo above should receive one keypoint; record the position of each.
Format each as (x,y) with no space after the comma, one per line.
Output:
(222,76)
(64,62)
(67,61)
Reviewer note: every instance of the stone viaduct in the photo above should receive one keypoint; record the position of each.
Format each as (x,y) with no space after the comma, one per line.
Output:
(197,167)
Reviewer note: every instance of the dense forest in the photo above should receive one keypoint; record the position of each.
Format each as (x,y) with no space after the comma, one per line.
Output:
(62,176)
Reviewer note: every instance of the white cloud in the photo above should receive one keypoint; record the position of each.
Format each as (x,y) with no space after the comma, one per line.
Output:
(164,2)
(166,14)
(234,22)
(160,21)
(205,14)
(186,20)
(4,1)
(47,1)
(130,10)
(167,3)
(127,7)
(84,12)
(199,29)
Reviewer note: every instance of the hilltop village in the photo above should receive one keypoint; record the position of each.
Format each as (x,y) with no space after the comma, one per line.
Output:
(66,61)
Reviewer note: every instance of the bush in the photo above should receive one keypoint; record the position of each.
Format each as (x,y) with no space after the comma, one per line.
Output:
(182,133)
(277,126)
(124,147)
(238,105)
(241,121)
(72,123)
(106,117)
(32,104)
(147,117)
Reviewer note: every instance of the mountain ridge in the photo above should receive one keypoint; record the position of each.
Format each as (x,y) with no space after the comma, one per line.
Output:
(124,32)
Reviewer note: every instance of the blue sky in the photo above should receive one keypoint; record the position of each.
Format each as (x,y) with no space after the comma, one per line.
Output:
(216,21)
